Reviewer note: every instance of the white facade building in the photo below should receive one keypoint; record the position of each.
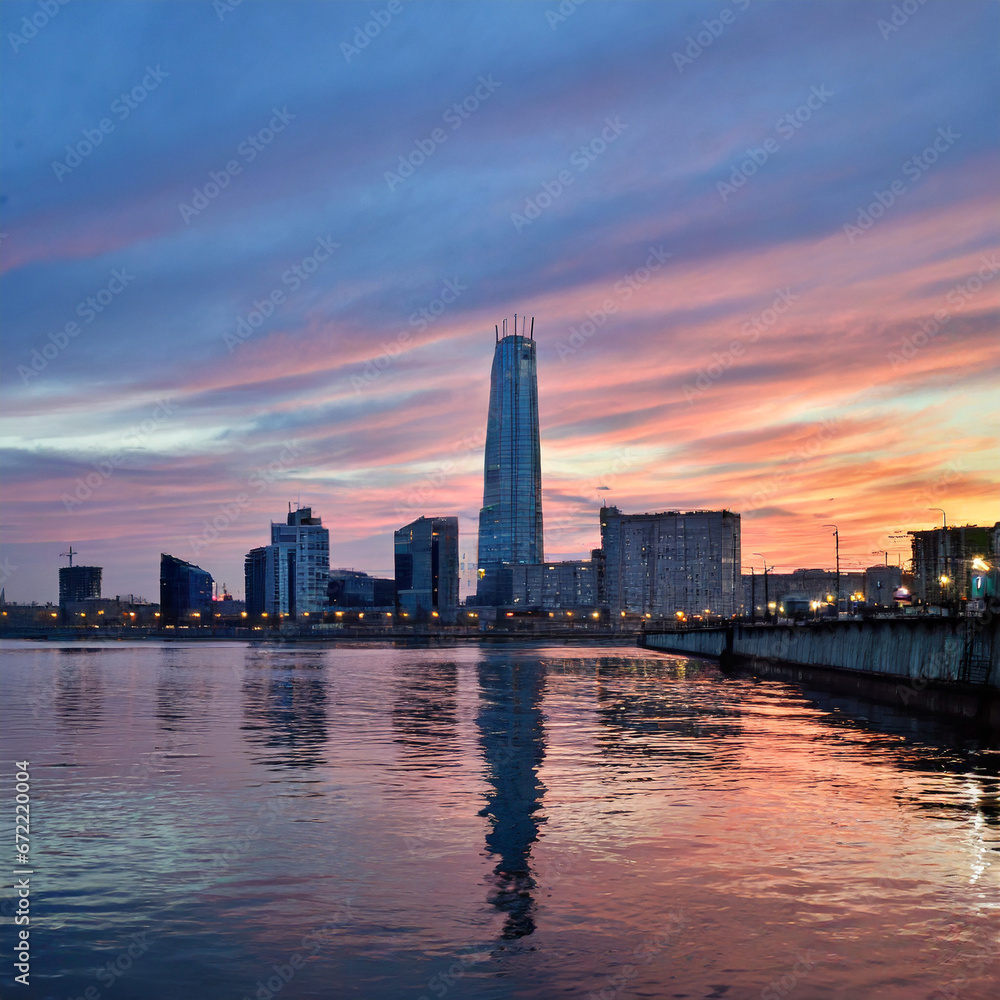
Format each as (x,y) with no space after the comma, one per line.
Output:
(290,576)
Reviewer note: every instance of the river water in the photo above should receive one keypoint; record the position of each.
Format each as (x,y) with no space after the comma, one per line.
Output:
(228,821)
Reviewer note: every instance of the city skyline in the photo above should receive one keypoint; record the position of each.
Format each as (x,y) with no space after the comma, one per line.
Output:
(761,250)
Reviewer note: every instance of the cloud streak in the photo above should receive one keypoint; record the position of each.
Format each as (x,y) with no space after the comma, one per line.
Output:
(770,360)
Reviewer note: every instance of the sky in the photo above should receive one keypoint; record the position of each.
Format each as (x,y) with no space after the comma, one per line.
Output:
(253,254)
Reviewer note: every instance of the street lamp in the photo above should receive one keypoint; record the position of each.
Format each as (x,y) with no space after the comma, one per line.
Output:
(944,540)
(836,539)
(767,613)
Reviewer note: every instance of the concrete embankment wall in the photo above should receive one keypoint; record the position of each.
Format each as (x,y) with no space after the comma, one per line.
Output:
(703,641)
(923,662)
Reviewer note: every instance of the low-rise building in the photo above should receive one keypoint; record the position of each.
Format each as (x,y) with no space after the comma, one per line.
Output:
(349,588)
(881,584)
(570,583)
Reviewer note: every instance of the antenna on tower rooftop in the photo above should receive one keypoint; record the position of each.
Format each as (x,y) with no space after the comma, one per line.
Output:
(496,326)
(532,327)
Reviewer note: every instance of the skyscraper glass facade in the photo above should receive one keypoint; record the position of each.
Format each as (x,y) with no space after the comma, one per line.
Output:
(510,521)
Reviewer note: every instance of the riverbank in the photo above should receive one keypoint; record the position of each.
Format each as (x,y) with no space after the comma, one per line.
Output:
(394,636)
(942,666)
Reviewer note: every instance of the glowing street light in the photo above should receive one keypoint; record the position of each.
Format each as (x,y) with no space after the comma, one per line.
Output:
(836,542)
(767,613)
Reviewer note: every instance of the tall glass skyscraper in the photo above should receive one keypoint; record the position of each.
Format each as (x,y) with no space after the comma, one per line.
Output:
(510,521)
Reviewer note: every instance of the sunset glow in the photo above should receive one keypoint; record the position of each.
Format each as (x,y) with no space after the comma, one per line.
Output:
(702,343)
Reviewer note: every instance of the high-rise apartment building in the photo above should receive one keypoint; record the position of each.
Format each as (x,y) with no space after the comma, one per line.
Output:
(670,562)
(426,556)
(290,576)
(510,521)
(943,560)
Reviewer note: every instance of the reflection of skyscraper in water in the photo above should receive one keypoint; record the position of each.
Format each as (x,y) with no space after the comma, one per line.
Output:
(642,719)
(511,736)
(284,707)
(425,716)
(510,521)
(78,695)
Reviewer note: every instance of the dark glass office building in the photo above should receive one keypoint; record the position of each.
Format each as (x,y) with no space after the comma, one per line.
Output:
(510,522)
(426,557)
(185,589)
